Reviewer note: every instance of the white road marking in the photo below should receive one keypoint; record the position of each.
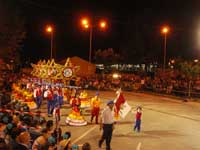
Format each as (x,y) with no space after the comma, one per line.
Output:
(138,146)
(84,134)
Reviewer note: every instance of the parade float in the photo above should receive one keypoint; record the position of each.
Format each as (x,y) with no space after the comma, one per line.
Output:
(53,74)
(85,101)
(23,96)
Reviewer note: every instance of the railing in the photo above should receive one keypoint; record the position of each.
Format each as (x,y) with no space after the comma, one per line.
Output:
(138,87)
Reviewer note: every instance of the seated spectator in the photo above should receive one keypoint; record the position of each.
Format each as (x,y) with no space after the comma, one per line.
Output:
(65,144)
(23,141)
(13,136)
(3,145)
(52,143)
(41,142)
(86,146)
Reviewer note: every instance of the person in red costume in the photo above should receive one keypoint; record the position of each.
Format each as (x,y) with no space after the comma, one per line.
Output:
(95,104)
(76,103)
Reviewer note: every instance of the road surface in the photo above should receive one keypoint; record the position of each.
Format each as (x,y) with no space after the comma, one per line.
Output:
(167,124)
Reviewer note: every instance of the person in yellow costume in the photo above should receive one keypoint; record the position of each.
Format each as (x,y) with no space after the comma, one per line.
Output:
(95,104)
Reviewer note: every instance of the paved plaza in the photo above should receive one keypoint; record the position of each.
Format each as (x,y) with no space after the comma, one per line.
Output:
(167,124)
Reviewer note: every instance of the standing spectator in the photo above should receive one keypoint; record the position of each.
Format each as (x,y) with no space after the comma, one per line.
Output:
(107,123)
(138,119)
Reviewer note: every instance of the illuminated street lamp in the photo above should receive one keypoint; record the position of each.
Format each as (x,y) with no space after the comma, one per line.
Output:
(87,24)
(49,29)
(165,31)
(102,24)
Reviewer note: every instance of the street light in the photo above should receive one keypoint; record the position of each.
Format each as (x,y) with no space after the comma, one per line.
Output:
(49,29)
(87,24)
(165,31)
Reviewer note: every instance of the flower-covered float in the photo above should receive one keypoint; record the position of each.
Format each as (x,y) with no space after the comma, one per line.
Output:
(24,96)
(85,101)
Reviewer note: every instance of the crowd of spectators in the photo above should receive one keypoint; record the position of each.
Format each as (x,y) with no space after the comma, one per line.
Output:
(21,129)
(24,130)
(168,83)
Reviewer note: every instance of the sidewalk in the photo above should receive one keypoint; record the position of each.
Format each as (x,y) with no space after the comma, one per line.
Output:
(184,99)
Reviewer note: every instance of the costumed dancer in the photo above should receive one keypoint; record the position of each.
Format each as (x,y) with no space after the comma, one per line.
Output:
(95,104)
(76,103)
(75,118)
(50,102)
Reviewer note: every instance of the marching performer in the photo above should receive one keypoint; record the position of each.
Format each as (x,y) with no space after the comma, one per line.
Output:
(38,96)
(95,104)
(60,96)
(50,102)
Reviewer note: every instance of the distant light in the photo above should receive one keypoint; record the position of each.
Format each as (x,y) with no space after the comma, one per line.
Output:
(49,29)
(84,22)
(86,26)
(172,61)
(115,76)
(196,60)
(165,30)
(102,24)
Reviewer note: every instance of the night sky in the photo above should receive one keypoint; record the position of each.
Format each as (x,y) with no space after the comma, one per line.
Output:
(133,27)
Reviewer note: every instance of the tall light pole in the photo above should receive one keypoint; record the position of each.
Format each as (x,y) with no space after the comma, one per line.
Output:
(87,24)
(49,29)
(164,31)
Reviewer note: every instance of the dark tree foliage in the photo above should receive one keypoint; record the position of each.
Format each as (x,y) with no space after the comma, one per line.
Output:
(12,31)
(107,56)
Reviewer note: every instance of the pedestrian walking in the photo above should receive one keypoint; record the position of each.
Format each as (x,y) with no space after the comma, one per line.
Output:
(138,116)
(107,124)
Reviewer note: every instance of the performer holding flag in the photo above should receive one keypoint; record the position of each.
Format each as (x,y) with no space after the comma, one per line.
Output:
(121,106)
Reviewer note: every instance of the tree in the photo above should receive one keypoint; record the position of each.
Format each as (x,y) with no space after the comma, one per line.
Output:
(191,70)
(11,31)
(107,56)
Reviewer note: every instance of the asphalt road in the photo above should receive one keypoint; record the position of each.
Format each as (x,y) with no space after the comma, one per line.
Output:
(167,124)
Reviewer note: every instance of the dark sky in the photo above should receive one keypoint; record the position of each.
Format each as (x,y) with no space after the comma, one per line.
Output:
(133,27)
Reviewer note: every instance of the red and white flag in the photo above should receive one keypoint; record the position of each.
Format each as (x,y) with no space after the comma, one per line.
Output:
(121,106)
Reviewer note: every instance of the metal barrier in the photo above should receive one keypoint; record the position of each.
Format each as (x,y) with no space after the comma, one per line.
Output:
(181,93)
